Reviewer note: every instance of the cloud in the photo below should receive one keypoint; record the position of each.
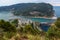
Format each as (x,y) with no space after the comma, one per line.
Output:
(55,4)
(10,2)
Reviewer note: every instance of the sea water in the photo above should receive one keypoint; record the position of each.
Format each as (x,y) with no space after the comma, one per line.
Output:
(7,15)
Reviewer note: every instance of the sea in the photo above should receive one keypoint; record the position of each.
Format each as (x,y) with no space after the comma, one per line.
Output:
(57,10)
(8,15)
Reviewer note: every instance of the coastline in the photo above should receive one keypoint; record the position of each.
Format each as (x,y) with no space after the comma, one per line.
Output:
(54,17)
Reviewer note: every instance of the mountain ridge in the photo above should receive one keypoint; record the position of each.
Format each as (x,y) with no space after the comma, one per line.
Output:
(30,9)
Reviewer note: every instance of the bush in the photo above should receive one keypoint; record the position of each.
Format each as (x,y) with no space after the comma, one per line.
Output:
(29,29)
(57,23)
(7,26)
(9,34)
(53,33)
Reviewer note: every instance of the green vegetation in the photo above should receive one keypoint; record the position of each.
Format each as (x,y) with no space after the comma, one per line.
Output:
(54,31)
(15,22)
(8,31)
(7,26)
(31,9)
(29,29)
(57,23)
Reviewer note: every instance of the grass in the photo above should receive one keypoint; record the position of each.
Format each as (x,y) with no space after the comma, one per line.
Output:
(28,37)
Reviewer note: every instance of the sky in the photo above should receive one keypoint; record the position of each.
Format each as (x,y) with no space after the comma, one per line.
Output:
(11,2)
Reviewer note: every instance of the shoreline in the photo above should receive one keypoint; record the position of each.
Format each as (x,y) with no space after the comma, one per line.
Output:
(54,17)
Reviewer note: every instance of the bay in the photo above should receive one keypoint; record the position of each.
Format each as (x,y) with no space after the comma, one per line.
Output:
(8,15)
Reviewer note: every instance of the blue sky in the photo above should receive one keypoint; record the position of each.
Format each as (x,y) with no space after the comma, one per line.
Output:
(10,2)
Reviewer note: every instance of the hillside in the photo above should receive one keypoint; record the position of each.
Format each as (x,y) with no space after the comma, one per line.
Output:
(30,9)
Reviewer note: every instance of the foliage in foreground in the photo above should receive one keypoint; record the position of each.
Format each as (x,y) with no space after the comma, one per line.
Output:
(7,26)
(9,31)
(54,31)
(6,29)
(29,29)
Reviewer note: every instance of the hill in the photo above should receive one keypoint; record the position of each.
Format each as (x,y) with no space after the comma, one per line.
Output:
(30,9)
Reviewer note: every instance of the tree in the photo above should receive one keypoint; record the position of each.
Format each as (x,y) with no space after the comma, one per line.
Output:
(8,29)
(29,29)
(15,22)
(7,26)
(53,33)
(57,23)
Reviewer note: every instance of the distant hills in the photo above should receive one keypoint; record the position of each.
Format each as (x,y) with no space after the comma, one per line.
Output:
(30,9)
